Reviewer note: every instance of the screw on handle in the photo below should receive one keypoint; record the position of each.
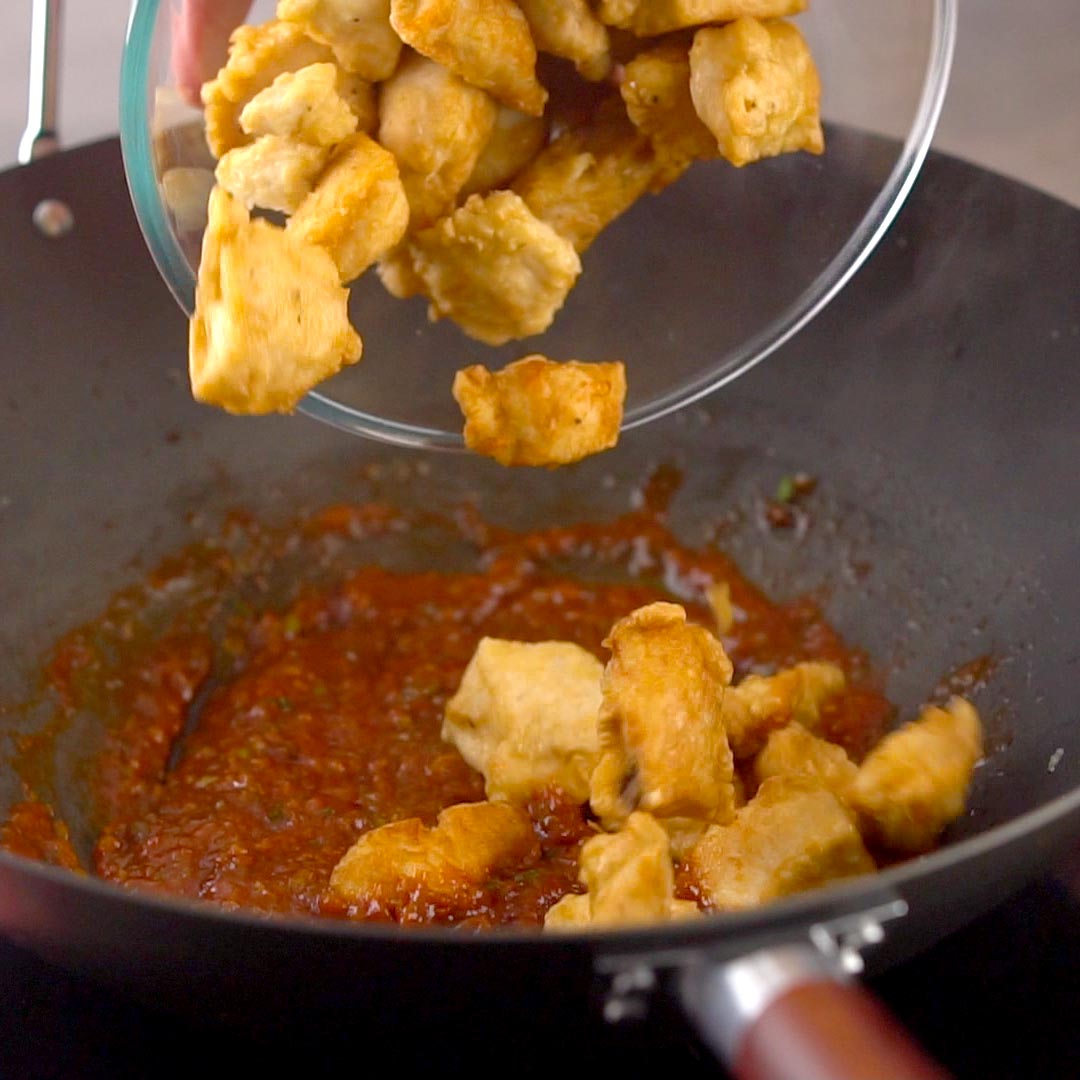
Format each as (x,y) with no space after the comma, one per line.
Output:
(40,137)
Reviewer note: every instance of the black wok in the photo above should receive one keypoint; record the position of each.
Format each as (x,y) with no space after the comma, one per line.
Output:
(936,399)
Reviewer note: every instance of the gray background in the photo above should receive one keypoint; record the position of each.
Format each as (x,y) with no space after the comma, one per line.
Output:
(1013,103)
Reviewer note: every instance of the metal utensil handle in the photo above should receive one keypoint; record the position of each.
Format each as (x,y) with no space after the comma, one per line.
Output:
(41,136)
(786,1013)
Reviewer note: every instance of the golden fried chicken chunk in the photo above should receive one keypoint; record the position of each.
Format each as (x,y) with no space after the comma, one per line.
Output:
(662,740)
(468,844)
(794,751)
(436,125)
(569,29)
(358,31)
(525,716)
(541,412)
(915,781)
(486,42)
(762,703)
(718,595)
(755,86)
(270,318)
(586,178)
(357,210)
(359,95)
(791,836)
(656,90)
(398,274)
(629,877)
(303,105)
(514,141)
(647,18)
(257,56)
(494,268)
(272,172)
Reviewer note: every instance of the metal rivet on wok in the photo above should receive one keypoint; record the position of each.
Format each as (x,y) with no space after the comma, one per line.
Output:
(53,218)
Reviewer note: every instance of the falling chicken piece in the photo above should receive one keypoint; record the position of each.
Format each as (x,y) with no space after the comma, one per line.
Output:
(486,42)
(358,31)
(718,596)
(303,105)
(756,88)
(662,738)
(647,18)
(791,836)
(569,29)
(270,318)
(915,781)
(525,716)
(436,125)
(794,751)
(762,703)
(257,56)
(541,412)
(445,864)
(357,210)
(274,173)
(495,268)
(630,880)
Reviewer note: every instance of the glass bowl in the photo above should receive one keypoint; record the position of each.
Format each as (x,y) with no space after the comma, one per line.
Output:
(690,288)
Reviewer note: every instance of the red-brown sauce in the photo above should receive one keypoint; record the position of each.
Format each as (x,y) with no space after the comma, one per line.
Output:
(322,720)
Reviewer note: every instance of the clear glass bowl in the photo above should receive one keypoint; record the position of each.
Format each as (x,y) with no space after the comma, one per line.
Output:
(690,288)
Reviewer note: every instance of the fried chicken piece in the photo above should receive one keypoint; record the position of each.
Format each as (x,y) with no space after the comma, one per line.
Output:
(718,596)
(762,703)
(569,29)
(359,95)
(793,751)
(586,178)
(186,192)
(756,88)
(514,141)
(656,90)
(494,268)
(270,318)
(525,716)
(662,739)
(791,836)
(303,105)
(257,56)
(486,42)
(272,172)
(469,843)
(357,210)
(358,32)
(436,125)
(647,18)
(398,275)
(630,880)
(541,412)
(915,781)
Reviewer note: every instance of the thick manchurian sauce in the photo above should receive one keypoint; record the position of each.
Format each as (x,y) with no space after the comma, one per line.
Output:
(322,720)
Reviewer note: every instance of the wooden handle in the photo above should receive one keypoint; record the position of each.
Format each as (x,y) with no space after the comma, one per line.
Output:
(827,1030)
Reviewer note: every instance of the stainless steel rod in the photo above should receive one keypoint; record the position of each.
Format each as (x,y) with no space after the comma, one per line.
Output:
(41,136)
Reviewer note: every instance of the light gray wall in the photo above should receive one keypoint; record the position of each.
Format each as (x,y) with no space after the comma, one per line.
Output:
(1014,104)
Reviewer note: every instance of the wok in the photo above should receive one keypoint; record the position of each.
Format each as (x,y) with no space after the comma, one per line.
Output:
(937,402)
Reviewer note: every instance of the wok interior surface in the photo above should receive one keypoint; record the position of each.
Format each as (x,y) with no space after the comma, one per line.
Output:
(935,401)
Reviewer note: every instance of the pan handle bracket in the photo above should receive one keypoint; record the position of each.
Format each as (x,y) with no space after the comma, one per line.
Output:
(843,940)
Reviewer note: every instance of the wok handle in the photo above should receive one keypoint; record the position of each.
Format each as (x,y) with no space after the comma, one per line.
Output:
(788,1014)
(41,135)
